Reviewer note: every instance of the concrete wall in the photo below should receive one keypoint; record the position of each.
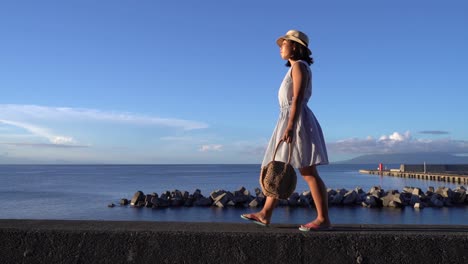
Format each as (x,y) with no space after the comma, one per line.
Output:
(435,168)
(29,241)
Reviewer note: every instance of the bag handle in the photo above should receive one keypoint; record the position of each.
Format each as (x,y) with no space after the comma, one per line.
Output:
(290,150)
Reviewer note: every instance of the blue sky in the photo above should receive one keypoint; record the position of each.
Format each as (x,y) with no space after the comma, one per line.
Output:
(196,81)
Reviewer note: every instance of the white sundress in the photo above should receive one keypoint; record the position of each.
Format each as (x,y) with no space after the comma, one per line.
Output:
(308,142)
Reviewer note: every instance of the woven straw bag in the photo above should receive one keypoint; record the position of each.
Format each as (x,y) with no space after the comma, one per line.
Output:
(278,179)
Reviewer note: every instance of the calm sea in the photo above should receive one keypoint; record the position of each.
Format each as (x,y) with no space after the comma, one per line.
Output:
(82,192)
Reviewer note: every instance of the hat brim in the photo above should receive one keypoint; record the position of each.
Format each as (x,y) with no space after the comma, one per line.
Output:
(279,41)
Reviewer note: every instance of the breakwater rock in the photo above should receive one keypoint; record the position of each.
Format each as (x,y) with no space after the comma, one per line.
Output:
(376,197)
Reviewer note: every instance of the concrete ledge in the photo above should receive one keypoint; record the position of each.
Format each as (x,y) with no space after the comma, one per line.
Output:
(49,241)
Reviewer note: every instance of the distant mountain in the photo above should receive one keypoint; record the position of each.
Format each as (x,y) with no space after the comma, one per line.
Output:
(408,158)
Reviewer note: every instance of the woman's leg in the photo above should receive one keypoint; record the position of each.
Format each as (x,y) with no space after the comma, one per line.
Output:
(319,194)
(267,211)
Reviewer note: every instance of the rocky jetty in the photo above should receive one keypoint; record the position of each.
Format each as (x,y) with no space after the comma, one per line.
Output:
(376,197)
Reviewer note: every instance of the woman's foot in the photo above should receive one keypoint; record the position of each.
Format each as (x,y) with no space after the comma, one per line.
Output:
(316,225)
(256,218)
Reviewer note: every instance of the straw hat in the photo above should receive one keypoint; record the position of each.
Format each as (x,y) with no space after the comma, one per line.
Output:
(295,35)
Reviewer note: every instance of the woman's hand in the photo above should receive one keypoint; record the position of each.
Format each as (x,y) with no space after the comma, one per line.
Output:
(288,135)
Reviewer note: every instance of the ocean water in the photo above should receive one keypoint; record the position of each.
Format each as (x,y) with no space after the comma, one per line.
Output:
(82,192)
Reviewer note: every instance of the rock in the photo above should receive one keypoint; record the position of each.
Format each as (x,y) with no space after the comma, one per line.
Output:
(342,191)
(459,195)
(176,198)
(293,200)
(403,198)
(197,194)
(163,203)
(189,201)
(350,197)
(137,197)
(447,202)
(154,200)
(407,189)
(359,191)
(305,199)
(177,201)
(361,195)
(415,200)
(217,195)
(258,192)
(241,196)
(376,191)
(240,191)
(159,202)
(123,201)
(436,200)
(387,199)
(376,197)
(166,195)
(372,201)
(392,200)
(203,201)
(283,202)
(395,204)
(176,194)
(331,192)
(148,198)
(360,199)
(444,192)
(256,202)
(417,191)
(218,204)
(337,199)
(221,198)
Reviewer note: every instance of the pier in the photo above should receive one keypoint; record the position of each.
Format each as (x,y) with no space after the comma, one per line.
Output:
(431,176)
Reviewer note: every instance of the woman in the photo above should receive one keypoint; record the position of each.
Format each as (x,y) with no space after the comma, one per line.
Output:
(297,126)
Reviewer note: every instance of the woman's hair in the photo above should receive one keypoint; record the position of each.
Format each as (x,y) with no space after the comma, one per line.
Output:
(300,52)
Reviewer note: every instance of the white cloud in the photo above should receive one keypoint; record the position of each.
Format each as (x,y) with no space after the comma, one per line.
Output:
(41,132)
(396,137)
(211,147)
(38,122)
(397,143)
(62,140)
(35,112)
(434,132)
(43,145)
(176,138)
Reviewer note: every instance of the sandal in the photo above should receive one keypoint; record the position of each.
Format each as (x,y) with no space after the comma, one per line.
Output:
(253,218)
(313,227)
